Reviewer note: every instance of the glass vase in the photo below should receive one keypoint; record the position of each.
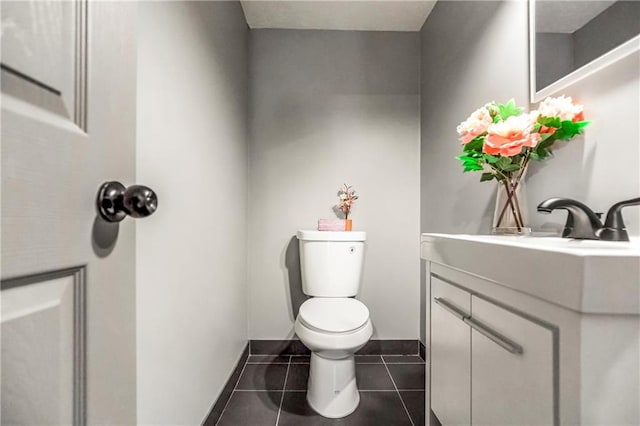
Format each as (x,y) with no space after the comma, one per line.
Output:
(511,214)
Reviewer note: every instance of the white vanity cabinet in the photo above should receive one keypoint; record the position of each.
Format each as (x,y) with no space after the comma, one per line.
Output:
(512,380)
(526,331)
(489,366)
(450,353)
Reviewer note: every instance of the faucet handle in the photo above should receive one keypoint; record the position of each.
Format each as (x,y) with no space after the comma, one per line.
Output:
(582,222)
(614,228)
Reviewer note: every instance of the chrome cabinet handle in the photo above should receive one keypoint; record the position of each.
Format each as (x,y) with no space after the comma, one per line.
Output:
(494,336)
(115,201)
(451,308)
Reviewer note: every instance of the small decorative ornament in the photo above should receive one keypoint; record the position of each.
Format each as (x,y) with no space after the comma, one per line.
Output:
(500,140)
(347,196)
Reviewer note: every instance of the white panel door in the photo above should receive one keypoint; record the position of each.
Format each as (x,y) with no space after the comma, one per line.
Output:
(68,277)
(450,354)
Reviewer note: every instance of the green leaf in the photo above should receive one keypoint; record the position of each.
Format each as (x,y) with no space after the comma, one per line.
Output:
(474,145)
(541,153)
(568,129)
(503,162)
(468,167)
(467,159)
(545,143)
(486,176)
(550,121)
(582,124)
(491,159)
(471,162)
(544,137)
(508,110)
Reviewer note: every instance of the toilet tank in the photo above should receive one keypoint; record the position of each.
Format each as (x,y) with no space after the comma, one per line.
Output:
(331,262)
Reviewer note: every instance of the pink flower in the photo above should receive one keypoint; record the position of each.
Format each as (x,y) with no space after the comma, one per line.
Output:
(561,107)
(477,123)
(508,137)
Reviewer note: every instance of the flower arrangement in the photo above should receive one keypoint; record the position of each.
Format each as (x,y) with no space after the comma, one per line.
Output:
(500,140)
(347,196)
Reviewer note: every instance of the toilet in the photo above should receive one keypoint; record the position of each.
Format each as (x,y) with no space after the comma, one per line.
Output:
(332,323)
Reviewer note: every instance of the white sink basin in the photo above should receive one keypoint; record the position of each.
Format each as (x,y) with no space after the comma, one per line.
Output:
(584,275)
(561,244)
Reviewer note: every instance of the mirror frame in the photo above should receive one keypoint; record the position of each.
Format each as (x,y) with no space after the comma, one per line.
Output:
(612,56)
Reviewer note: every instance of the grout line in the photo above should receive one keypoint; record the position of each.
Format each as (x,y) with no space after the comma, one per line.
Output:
(284,386)
(394,363)
(234,388)
(398,392)
(272,363)
(304,390)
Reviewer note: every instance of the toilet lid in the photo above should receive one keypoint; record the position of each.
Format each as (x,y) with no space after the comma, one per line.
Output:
(334,315)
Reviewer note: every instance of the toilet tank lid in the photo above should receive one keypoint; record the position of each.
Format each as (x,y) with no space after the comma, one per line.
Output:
(308,235)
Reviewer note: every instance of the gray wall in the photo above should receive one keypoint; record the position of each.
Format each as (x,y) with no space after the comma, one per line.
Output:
(192,149)
(328,107)
(476,52)
(472,53)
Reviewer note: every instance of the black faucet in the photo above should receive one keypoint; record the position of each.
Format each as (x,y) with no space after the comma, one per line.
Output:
(583,223)
(614,228)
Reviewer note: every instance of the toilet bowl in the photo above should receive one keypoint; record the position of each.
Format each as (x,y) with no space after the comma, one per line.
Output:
(333,329)
(332,324)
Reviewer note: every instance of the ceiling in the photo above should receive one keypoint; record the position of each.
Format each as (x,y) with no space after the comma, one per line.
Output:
(395,15)
(567,16)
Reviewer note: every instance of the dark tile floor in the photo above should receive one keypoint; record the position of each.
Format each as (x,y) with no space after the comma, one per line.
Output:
(272,391)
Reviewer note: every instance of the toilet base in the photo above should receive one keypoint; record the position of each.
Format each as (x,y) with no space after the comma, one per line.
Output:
(332,390)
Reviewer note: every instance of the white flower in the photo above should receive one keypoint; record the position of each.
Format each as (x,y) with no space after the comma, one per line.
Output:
(347,196)
(475,125)
(561,107)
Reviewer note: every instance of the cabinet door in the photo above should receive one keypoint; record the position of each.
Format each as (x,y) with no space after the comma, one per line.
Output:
(450,353)
(512,368)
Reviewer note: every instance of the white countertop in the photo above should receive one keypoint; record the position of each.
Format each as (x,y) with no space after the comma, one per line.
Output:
(582,275)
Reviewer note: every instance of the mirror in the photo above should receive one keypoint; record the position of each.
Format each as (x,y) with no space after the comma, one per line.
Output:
(569,40)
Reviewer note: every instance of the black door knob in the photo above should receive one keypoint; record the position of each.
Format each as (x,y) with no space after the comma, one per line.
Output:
(115,201)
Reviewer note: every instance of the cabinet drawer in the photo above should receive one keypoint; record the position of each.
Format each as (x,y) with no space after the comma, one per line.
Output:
(450,353)
(512,380)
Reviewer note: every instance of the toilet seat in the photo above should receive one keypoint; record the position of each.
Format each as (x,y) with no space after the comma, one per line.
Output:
(333,314)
